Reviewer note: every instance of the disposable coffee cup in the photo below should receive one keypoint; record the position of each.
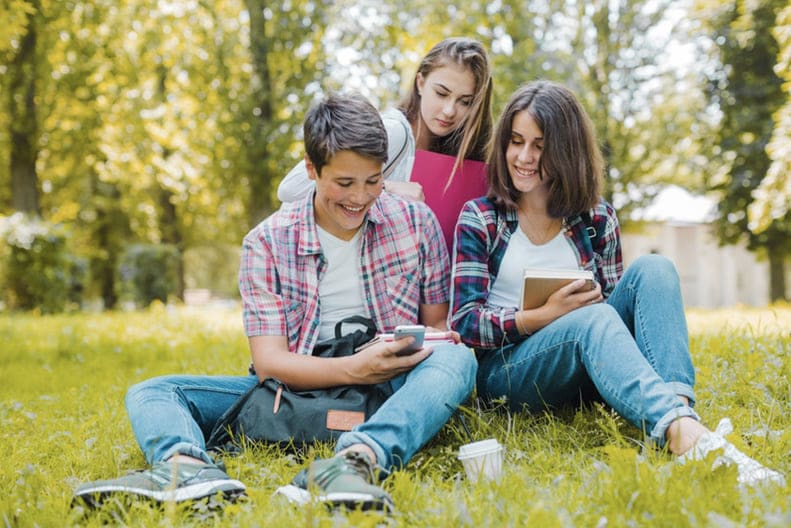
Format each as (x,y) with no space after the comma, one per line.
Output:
(482,459)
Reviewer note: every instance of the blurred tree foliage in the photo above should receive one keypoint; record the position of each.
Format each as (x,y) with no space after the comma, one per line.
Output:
(157,121)
(773,196)
(749,94)
(152,121)
(652,118)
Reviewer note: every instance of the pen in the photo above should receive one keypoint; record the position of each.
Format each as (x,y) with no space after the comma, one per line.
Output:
(279,393)
(366,345)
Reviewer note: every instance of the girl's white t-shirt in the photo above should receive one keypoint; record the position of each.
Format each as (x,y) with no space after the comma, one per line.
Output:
(521,253)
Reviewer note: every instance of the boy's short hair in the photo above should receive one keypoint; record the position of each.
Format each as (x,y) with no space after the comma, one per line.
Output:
(344,122)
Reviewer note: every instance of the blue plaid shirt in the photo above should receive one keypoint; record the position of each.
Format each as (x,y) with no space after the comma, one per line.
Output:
(481,238)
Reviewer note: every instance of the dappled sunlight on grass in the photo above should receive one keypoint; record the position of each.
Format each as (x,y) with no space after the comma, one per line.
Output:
(761,321)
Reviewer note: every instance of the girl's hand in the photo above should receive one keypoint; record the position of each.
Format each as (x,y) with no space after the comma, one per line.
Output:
(570,297)
(574,295)
(409,190)
(455,336)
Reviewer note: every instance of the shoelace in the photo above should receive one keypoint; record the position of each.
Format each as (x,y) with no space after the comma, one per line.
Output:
(360,463)
(356,462)
(725,427)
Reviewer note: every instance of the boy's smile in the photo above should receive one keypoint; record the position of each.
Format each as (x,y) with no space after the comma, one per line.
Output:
(347,187)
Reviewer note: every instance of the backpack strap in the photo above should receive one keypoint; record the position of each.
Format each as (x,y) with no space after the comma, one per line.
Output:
(593,234)
(368,324)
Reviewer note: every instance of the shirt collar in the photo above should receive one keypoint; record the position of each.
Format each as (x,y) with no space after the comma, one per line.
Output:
(305,221)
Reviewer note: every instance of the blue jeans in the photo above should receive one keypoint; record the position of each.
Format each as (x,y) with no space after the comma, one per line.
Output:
(631,351)
(175,414)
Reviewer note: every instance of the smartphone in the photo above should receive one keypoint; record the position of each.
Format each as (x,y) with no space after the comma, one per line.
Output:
(404,331)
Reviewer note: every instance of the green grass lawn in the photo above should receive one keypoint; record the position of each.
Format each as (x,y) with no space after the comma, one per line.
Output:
(62,422)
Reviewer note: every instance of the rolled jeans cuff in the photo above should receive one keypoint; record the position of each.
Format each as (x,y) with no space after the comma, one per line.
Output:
(659,430)
(682,389)
(186,449)
(353,437)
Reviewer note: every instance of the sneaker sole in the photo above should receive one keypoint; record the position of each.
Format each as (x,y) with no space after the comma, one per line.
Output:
(231,490)
(347,500)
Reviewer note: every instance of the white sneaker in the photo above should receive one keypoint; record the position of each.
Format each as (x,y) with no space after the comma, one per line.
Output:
(751,472)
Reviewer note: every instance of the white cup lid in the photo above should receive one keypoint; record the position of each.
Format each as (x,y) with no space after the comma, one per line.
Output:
(479,448)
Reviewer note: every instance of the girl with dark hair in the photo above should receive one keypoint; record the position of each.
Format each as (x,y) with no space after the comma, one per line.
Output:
(625,341)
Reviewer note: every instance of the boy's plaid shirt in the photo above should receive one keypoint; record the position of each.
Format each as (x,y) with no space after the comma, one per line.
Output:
(404,263)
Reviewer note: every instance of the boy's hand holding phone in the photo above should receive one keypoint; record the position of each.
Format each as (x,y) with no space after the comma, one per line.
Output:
(422,337)
(418,332)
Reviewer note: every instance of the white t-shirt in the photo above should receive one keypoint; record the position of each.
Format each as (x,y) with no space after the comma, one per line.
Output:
(400,158)
(340,289)
(522,253)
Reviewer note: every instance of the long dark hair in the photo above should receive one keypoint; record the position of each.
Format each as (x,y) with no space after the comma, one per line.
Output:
(570,159)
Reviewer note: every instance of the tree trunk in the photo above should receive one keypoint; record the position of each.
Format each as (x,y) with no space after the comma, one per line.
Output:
(24,127)
(169,222)
(110,232)
(171,234)
(104,268)
(258,149)
(777,276)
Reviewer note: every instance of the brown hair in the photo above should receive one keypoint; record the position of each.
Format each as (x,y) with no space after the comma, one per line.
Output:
(343,122)
(570,157)
(469,140)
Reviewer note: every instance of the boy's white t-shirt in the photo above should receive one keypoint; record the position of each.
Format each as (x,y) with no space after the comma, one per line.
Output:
(521,253)
(340,289)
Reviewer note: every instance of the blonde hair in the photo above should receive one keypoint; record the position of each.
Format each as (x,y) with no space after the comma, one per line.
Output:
(469,140)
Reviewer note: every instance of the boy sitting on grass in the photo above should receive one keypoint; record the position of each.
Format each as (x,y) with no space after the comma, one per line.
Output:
(347,249)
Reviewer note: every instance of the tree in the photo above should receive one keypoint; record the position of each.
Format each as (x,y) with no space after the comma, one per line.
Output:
(773,195)
(749,94)
(287,57)
(169,138)
(23,74)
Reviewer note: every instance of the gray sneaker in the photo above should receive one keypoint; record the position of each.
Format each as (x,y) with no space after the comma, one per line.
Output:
(750,471)
(165,482)
(345,480)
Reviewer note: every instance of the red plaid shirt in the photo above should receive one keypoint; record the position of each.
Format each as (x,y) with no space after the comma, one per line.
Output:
(403,262)
(482,236)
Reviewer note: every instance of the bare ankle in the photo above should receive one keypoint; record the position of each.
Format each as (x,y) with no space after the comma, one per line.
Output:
(361,448)
(683,433)
(178,458)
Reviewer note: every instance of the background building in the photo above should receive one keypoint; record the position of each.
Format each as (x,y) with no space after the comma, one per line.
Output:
(677,226)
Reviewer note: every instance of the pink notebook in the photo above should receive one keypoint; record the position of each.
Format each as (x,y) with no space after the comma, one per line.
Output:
(432,171)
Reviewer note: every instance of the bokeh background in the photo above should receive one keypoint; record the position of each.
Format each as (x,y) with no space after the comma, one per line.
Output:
(141,139)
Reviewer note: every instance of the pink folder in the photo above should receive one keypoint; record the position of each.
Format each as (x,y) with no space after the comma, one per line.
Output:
(432,171)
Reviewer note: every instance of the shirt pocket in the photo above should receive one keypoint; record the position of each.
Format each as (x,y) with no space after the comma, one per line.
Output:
(403,297)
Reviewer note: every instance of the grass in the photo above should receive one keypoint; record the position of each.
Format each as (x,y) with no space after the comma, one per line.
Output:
(62,422)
